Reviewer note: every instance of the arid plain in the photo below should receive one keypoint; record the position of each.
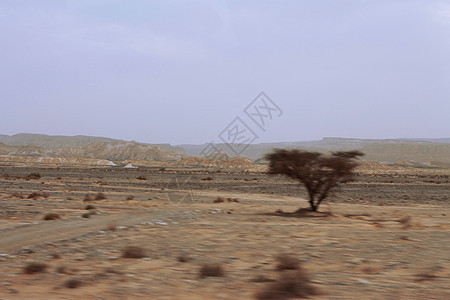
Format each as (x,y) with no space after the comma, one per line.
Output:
(384,236)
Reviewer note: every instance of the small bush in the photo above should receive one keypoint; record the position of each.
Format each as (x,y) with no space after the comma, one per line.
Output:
(35,267)
(112,226)
(406,222)
(211,270)
(262,278)
(17,195)
(131,197)
(89,207)
(233,200)
(34,195)
(290,284)
(33,176)
(219,200)
(51,216)
(86,215)
(73,283)
(100,196)
(287,262)
(133,252)
(207,178)
(88,198)
(183,258)
(141,178)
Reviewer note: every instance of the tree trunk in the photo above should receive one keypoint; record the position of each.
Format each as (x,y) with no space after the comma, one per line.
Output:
(312,204)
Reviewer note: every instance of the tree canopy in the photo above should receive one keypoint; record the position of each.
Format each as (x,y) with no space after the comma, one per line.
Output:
(318,173)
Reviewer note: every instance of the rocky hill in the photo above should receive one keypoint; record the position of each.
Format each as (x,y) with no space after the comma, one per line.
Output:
(53,142)
(96,153)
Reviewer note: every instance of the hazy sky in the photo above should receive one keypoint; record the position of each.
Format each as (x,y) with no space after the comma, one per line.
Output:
(181,71)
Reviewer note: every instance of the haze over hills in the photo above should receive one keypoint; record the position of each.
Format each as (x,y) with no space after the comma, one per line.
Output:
(68,148)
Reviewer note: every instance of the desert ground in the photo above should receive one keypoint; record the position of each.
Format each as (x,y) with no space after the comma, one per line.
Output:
(384,236)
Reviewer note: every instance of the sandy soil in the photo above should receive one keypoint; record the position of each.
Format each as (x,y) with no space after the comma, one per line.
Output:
(385,236)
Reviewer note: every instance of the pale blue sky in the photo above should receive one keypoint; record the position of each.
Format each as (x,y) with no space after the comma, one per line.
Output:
(181,71)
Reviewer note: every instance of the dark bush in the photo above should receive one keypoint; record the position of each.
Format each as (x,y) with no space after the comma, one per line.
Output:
(287,262)
(219,200)
(133,252)
(35,267)
(211,270)
(290,284)
(33,176)
(73,283)
(100,196)
(51,216)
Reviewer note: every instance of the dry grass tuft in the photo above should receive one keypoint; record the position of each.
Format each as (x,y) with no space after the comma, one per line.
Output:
(141,178)
(131,197)
(133,252)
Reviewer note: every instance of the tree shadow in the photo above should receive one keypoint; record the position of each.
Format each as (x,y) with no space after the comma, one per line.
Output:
(301,213)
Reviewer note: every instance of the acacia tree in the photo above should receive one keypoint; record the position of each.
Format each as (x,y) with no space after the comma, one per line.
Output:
(318,173)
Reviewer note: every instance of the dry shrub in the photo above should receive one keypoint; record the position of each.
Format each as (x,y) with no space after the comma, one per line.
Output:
(88,198)
(290,284)
(262,278)
(425,276)
(100,196)
(34,195)
(86,215)
(406,222)
(184,258)
(131,197)
(211,270)
(35,267)
(33,176)
(89,207)
(219,200)
(112,226)
(287,262)
(51,216)
(207,178)
(233,200)
(73,283)
(133,252)
(17,195)
(141,178)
